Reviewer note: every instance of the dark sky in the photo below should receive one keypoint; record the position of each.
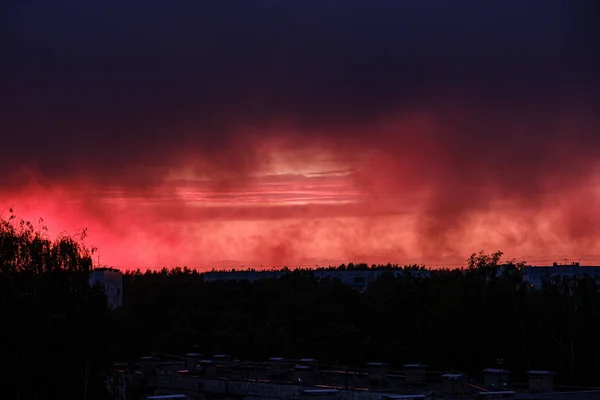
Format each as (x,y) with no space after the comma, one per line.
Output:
(89,80)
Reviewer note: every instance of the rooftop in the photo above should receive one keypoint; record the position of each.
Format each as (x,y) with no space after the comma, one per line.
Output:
(175,375)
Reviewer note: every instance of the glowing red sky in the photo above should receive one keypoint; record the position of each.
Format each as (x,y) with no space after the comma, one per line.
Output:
(337,201)
(271,133)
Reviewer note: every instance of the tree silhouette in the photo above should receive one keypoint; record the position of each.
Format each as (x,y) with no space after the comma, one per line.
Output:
(55,327)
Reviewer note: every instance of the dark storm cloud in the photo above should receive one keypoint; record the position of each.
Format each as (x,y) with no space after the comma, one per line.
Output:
(92,87)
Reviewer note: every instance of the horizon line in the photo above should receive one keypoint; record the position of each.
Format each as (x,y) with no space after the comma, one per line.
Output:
(242,267)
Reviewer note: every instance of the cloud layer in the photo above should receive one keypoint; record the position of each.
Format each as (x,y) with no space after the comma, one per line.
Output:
(284,131)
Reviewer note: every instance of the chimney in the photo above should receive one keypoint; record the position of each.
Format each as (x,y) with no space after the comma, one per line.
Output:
(378,372)
(496,378)
(540,381)
(208,368)
(277,367)
(454,385)
(415,374)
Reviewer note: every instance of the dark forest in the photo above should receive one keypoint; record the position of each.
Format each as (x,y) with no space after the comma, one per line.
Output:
(58,336)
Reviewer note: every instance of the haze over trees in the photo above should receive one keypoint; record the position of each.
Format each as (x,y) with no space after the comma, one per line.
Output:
(59,337)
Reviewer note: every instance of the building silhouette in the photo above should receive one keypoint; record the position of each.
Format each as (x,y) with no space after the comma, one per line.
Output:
(111,282)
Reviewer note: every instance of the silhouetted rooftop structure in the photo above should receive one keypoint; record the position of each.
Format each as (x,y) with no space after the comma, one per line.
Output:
(331,383)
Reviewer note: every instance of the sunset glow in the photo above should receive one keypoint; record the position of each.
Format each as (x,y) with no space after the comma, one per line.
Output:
(392,206)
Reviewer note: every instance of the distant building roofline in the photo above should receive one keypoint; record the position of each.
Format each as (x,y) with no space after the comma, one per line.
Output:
(496,371)
(497,392)
(454,376)
(540,373)
(106,269)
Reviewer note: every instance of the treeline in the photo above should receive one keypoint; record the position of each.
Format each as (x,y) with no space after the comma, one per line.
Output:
(461,320)
(341,267)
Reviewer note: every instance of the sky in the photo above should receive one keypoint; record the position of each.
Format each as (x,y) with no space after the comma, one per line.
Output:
(305,132)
